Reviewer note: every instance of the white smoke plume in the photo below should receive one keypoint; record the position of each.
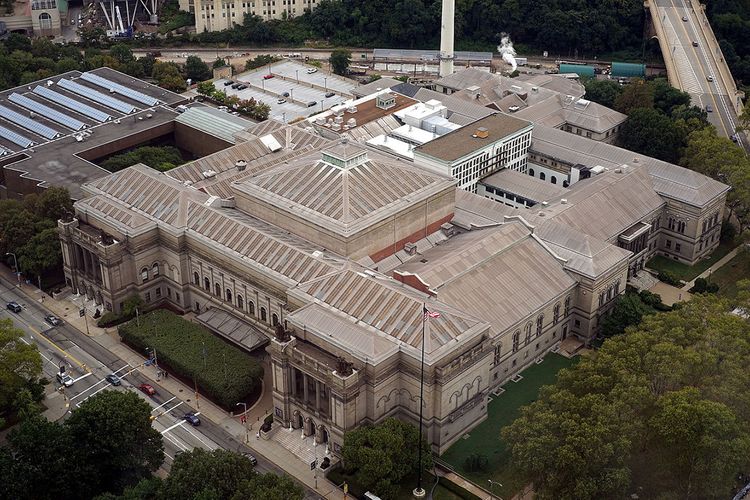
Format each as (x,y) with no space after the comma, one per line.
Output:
(506,50)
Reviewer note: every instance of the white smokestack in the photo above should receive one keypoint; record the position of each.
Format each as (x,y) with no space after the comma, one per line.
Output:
(507,51)
(446,38)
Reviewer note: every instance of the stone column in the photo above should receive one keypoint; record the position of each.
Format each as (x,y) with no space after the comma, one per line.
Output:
(293,381)
(317,395)
(304,386)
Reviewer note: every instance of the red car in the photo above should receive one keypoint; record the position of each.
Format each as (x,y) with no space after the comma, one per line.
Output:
(267,77)
(147,389)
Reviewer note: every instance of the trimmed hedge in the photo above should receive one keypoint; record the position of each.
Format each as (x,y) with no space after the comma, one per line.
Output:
(230,375)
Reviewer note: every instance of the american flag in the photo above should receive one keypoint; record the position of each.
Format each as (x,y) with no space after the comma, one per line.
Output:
(430,314)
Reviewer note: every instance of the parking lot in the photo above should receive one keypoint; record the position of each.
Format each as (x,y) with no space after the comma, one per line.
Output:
(291,82)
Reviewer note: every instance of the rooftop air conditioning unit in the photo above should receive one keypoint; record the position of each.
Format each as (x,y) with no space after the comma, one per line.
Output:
(208,174)
(482,133)
(410,249)
(241,165)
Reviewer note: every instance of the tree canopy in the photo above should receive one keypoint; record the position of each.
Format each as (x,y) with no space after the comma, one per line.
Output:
(161,158)
(340,60)
(20,368)
(381,456)
(662,407)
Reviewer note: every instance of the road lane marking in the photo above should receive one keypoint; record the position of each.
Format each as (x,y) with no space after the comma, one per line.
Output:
(164,403)
(172,427)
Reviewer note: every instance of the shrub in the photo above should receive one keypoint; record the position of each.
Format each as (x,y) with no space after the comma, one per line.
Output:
(669,278)
(703,286)
(230,375)
(476,462)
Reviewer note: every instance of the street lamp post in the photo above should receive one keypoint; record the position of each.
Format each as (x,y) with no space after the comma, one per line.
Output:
(15,262)
(291,95)
(325,83)
(492,484)
(244,414)
(296,72)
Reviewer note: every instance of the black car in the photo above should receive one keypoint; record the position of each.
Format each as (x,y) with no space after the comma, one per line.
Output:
(228,83)
(311,104)
(250,457)
(330,94)
(52,320)
(242,87)
(236,86)
(285,94)
(14,306)
(192,418)
(113,379)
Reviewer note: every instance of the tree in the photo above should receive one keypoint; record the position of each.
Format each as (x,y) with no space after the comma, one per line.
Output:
(666,97)
(269,487)
(636,95)
(122,53)
(196,70)
(206,88)
(259,61)
(218,63)
(45,461)
(53,203)
(121,445)
(604,92)
(340,60)
(20,365)
(41,254)
(652,133)
(207,474)
(660,407)
(381,456)
(628,311)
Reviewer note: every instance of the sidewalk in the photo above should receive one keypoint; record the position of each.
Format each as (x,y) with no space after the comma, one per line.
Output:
(717,265)
(108,338)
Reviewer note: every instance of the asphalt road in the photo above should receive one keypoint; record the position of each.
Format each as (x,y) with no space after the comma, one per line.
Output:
(695,64)
(89,363)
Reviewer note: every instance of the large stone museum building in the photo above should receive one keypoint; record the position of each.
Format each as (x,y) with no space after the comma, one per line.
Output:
(331,250)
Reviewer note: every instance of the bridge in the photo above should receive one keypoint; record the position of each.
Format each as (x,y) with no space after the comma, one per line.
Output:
(695,63)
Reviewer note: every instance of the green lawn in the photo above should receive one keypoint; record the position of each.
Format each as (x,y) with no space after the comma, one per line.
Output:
(502,410)
(730,273)
(685,272)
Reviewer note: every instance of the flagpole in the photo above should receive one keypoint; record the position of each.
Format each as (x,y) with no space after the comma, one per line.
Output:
(419,492)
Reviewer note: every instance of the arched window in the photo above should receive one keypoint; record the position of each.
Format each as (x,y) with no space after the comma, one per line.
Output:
(155,269)
(251,307)
(217,290)
(516,339)
(144,274)
(567,305)
(670,223)
(229,295)
(539,324)
(240,302)
(556,314)
(705,223)
(617,289)
(274,319)
(609,292)
(601,298)
(207,284)
(45,21)
(681,226)
(553,179)
(263,314)
(528,337)
(531,172)
(528,330)
(196,279)
(542,176)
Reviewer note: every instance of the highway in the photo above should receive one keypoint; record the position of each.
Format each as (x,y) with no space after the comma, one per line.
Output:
(695,63)
(89,363)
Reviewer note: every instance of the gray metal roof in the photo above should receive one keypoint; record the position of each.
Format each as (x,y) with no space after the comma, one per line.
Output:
(214,122)
(233,328)
(524,185)
(467,77)
(428,55)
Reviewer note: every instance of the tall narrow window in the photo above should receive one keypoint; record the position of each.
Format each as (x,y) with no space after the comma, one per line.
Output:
(155,269)
(144,274)
(207,284)
(229,295)
(240,303)
(217,290)
(539,324)
(556,314)
(567,306)
(196,279)
(263,314)
(516,339)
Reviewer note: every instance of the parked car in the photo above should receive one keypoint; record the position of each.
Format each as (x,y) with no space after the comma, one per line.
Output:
(330,94)
(268,76)
(52,320)
(235,86)
(228,83)
(280,101)
(192,418)
(14,306)
(113,379)
(311,104)
(310,71)
(250,457)
(709,108)
(65,379)
(285,94)
(242,87)
(147,389)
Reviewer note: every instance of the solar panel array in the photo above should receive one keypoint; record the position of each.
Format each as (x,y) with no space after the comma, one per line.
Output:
(69,103)
(98,97)
(120,89)
(17,139)
(46,111)
(28,123)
